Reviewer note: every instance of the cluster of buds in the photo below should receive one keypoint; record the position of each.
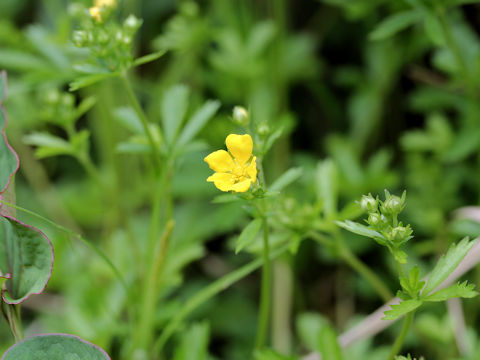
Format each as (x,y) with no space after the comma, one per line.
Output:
(57,107)
(382,217)
(109,42)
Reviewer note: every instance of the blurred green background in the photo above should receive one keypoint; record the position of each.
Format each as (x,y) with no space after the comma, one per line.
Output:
(386,90)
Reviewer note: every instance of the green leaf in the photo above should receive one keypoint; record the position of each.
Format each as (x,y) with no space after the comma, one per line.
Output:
(447,263)
(248,234)
(394,24)
(286,179)
(198,120)
(149,58)
(48,145)
(88,80)
(401,309)
(128,118)
(308,329)
(224,198)
(8,158)
(84,106)
(173,108)
(412,284)
(55,347)
(328,344)
(27,255)
(433,29)
(359,229)
(269,354)
(463,290)
(194,343)
(326,180)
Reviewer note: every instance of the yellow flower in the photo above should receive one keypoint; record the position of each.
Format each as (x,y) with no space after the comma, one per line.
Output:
(107,3)
(95,13)
(233,170)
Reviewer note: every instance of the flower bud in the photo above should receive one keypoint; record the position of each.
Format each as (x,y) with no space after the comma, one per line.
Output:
(52,97)
(393,204)
(263,129)
(132,23)
(80,38)
(240,115)
(368,203)
(400,233)
(374,219)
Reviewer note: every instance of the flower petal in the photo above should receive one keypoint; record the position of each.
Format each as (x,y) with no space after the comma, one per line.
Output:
(240,146)
(242,186)
(222,181)
(252,169)
(220,161)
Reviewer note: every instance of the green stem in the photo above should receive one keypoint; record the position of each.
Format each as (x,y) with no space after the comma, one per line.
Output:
(265,291)
(397,345)
(11,312)
(156,250)
(355,263)
(207,293)
(143,119)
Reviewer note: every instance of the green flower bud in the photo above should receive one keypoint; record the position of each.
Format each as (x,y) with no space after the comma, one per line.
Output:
(393,204)
(368,203)
(400,234)
(132,23)
(240,115)
(263,129)
(52,97)
(80,38)
(375,219)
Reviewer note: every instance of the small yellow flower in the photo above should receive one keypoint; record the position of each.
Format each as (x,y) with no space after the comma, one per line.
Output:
(107,3)
(95,13)
(233,170)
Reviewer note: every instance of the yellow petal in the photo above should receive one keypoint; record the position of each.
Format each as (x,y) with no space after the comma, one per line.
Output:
(222,181)
(252,169)
(240,146)
(220,161)
(242,186)
(95,13)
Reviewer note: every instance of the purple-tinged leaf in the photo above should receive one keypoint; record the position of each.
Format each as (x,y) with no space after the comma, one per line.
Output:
(9,162)
(26,257)
(55,347)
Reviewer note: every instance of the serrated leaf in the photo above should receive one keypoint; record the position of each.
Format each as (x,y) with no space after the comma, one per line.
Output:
(173,109)
(248,234)
(8,158)
(394,24)
(27,255)
(447,263)
(359,229)
(328,344)
(286,179)
(412,284)
(55,347)
(401,309)
(464,290)
(197,121)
